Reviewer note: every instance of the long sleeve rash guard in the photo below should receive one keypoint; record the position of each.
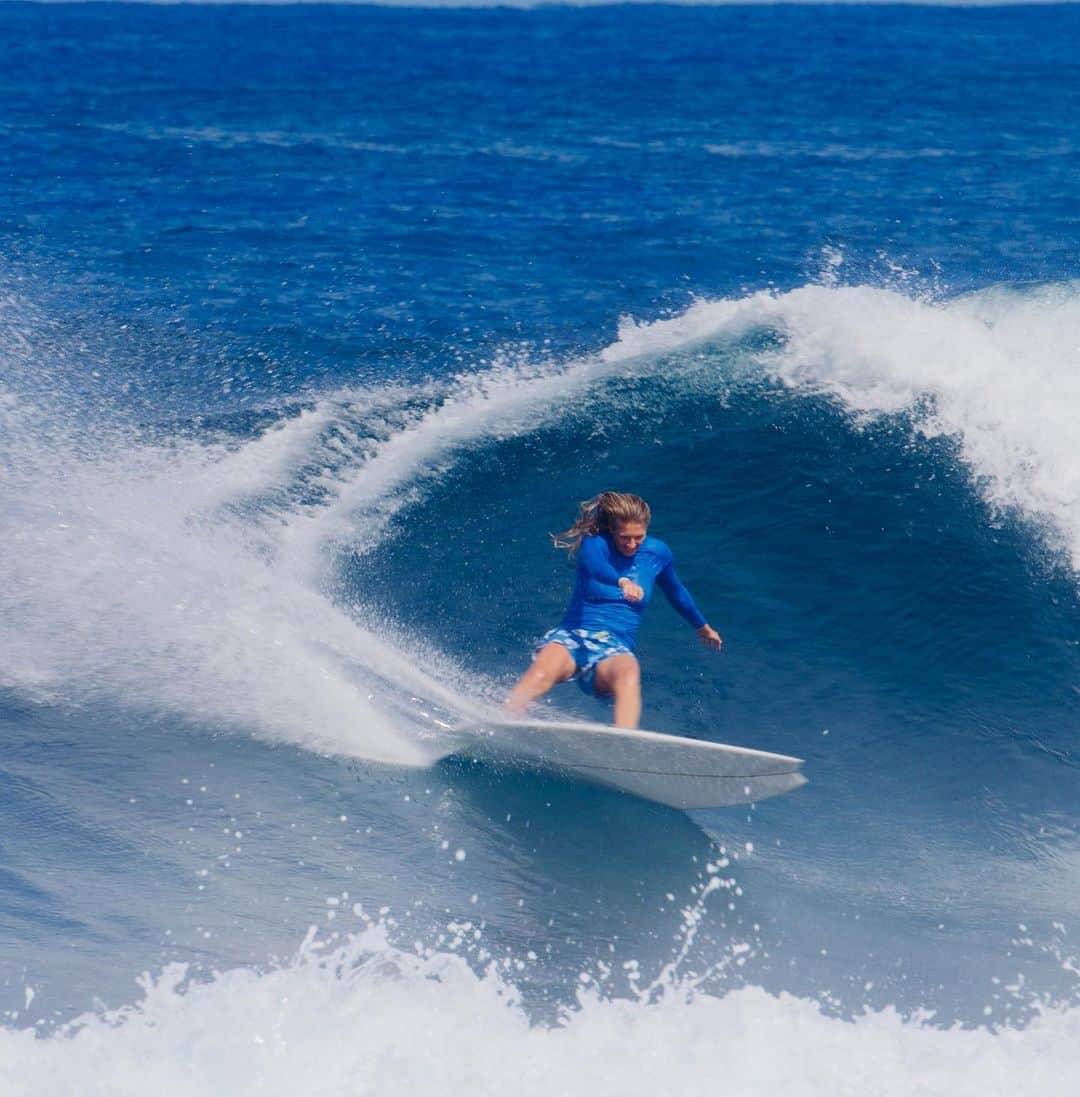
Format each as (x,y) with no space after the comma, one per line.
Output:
(597,603)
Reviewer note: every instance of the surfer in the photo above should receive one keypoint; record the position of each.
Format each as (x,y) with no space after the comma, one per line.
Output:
(618,564)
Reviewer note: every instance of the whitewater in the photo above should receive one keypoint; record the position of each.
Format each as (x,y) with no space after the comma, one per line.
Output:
(347,1021)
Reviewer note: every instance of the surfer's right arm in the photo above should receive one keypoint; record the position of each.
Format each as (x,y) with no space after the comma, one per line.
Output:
(594,558)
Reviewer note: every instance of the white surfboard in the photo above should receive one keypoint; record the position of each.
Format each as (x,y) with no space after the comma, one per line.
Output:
(670,769)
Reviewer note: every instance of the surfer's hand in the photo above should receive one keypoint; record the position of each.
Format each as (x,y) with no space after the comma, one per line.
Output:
(710,637)
(630,590)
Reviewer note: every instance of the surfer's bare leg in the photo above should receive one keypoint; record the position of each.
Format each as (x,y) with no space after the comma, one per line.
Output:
(620,676)
(553,664)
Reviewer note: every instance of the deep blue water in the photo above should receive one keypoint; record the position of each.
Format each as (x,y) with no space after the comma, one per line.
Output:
(314,321)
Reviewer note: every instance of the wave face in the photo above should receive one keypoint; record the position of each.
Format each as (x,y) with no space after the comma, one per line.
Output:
(291,395)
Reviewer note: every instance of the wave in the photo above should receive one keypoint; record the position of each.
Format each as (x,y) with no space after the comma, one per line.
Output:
(995,370)
(199,574)
(356,1016)
(195,575)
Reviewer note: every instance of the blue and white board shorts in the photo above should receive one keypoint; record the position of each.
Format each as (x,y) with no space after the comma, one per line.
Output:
(588,650)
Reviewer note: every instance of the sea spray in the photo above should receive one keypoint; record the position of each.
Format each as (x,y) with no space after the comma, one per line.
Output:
(351,1016)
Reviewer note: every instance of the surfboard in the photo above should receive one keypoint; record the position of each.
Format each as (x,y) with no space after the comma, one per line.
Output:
(669,769)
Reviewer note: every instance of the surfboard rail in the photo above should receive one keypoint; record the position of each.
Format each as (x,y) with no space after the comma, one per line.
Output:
(669,769)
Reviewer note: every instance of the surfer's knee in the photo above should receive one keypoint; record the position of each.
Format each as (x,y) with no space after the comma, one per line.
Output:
(542,677)
(627,670)
(553,664)
(619,673)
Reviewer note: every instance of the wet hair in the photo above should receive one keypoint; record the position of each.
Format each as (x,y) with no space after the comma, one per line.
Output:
(601,514)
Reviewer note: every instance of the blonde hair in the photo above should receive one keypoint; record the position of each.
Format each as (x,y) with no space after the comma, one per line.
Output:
(601,514)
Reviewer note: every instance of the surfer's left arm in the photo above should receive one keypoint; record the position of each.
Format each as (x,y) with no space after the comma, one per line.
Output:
(669,582)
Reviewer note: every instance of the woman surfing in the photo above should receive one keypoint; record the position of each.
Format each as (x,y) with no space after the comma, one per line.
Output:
(618,564)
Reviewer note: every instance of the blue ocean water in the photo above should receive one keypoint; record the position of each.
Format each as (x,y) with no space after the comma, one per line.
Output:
(314,321)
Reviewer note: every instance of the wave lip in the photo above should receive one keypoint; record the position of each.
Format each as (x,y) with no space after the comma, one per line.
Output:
(998,371)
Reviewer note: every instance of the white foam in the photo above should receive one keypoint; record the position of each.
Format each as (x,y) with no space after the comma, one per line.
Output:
(119,581)
(998,370)
(367,1019)
(193,576)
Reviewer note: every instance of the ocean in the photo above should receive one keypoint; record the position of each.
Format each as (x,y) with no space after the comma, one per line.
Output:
(315,321)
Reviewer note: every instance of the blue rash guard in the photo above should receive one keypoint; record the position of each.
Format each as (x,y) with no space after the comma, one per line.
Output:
(598,604)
